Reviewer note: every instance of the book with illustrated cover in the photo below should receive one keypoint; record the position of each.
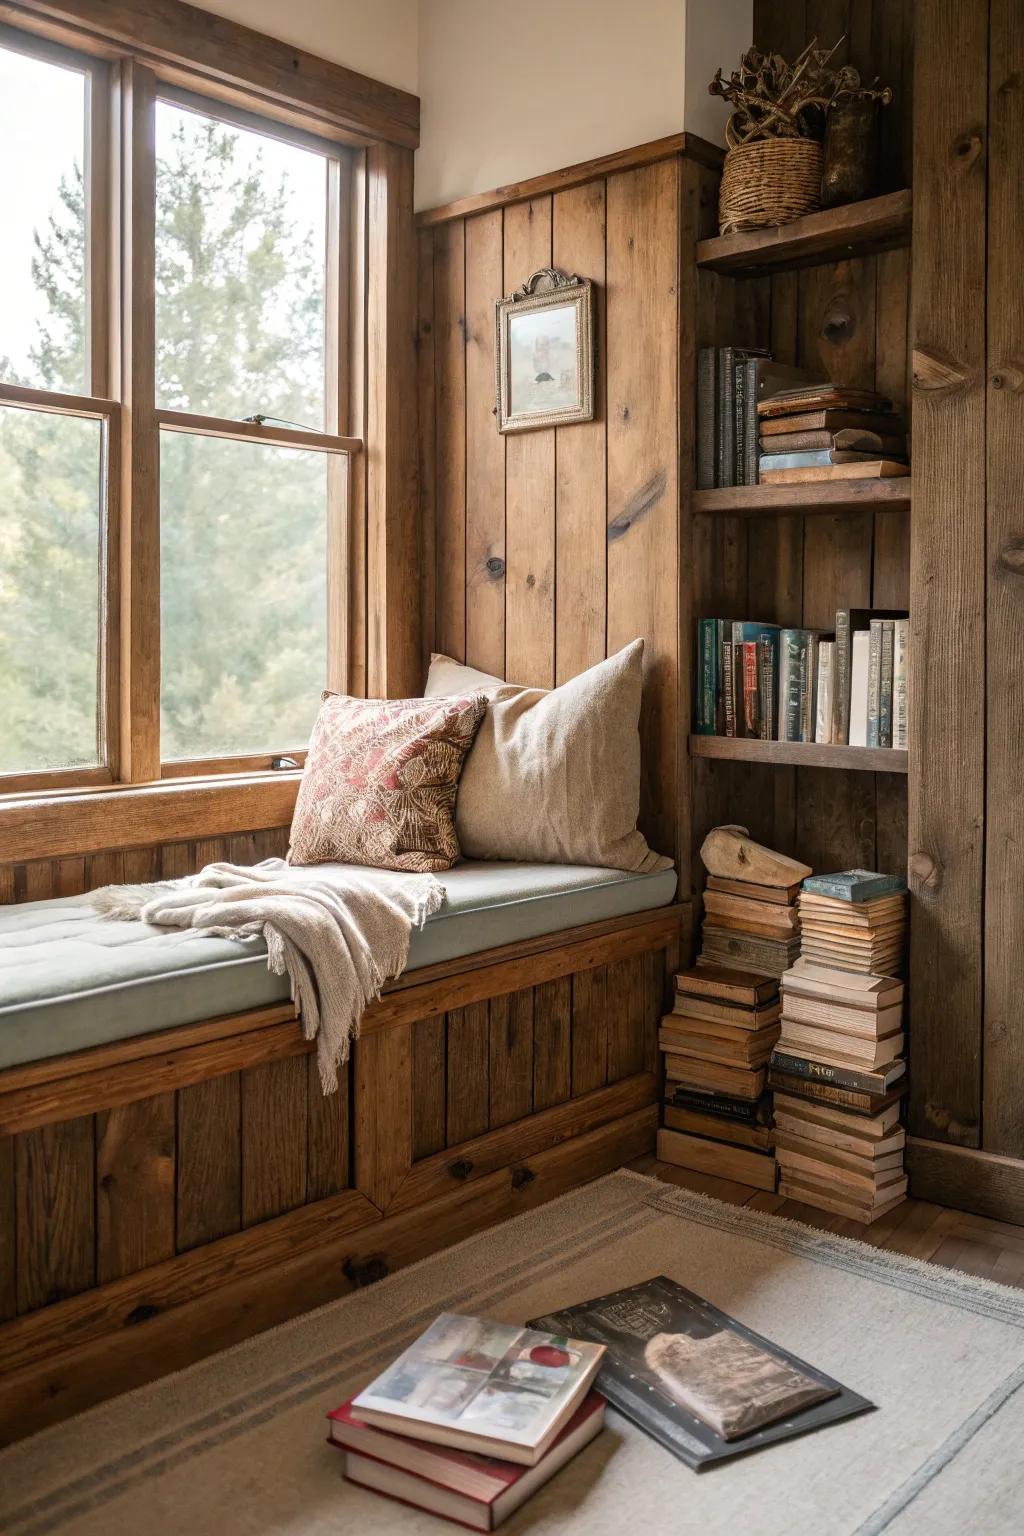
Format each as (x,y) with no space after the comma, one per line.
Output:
(699,1382)
(478,1491)
(477,1385)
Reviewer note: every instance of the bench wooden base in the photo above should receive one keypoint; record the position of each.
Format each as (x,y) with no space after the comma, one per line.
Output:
(164,1197)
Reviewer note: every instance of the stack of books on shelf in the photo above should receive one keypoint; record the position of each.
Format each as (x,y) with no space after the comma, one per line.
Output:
(838,1071)
(760,420)
(829,432)
(750,927)
(472,1419)
(716,1043)
(847,686)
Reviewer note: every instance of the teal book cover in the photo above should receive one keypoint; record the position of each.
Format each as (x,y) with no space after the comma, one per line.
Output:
(855,885)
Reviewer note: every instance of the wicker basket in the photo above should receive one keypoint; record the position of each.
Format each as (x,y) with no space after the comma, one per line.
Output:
(769,181)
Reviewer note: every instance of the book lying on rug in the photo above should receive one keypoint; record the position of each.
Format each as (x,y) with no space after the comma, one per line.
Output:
(700,1383)
(478,1491)
(482,1386)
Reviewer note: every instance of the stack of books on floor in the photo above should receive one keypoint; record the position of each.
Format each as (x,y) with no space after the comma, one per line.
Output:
(716,1043)
(838,1071)
(750,927)
(472,1419)
(847,686)
(824,432)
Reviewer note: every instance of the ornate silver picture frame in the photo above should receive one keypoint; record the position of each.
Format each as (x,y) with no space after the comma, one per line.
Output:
(544,353)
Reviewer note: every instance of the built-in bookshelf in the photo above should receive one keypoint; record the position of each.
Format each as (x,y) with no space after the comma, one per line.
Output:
(828,292)
(835,234)
(825,498)
(800,754)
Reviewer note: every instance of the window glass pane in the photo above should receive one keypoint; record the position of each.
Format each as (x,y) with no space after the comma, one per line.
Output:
(51,499)
(240,271)
(42,246)
(243,573)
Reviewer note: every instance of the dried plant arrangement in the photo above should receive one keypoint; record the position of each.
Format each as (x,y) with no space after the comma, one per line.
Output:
(773,168)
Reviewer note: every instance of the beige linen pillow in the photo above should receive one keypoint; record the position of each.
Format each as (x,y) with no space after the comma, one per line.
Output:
(554,776)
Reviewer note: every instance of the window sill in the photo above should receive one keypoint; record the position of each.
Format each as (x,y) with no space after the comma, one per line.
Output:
(53,825)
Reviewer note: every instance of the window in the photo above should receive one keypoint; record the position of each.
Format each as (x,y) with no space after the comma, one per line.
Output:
(170,553)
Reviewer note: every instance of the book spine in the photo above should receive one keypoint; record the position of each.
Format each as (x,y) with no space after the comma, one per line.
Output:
(886,685)
(823,710)
(706,419)
(718,1105)
(739,415)
(791,648)
(825,1093)
(720,633)
(838,1077)
(901,641)
(729,688)
(841,680)
(808,687)
(767,699)
(726,426)
(706,657)
(751,692)
(750,444)
(874,680)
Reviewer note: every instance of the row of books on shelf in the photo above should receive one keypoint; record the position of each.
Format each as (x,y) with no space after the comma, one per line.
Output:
(845,687)
(759,420)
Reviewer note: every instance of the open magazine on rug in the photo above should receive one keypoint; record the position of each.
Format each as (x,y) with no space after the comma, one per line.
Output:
(703,1385)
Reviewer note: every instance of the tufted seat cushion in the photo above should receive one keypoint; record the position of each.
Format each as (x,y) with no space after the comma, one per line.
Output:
(69,980)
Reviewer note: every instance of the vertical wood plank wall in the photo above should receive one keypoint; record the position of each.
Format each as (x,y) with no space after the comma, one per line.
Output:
(553,549)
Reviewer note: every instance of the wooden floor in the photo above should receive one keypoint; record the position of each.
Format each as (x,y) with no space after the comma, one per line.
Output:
(973,1244)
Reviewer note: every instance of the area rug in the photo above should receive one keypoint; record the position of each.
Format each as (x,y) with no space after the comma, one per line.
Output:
(236,1444)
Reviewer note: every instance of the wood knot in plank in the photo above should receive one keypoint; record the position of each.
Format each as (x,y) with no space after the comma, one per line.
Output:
(1013,82)
(961,1133)
(495,566)
(367,1273)
(521,1177)
(638,506)
(1008,376)
(966,150)
(925,872)
(938,371)
(1010,558)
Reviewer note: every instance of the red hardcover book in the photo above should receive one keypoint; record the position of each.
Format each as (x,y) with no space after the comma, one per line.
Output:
(476,1491)
(751,722)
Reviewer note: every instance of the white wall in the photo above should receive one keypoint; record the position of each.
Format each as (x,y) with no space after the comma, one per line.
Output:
(507,93)
(378,38)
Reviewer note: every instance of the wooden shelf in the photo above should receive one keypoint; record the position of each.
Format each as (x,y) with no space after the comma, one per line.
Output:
(799,754)
(877,224)
(824,496)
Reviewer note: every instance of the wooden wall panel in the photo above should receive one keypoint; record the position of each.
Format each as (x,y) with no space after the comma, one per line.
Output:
(947,570)
(468,1072)
(135,1186)
(1003,1046)
(578,246)
(429,1104)
(209,1161)
(274,1140)
(485,452)
(529,486)
(8,1229)
(511,1057)
(541,572)
(643,468)
(55,1188)
(450,429)
(45,879)
(328,1140)
(552,1043)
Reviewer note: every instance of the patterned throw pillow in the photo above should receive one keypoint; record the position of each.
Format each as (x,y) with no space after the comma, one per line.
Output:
(380,782)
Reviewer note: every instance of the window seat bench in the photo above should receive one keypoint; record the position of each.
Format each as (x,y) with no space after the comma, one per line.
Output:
(172,1179)
(69,979)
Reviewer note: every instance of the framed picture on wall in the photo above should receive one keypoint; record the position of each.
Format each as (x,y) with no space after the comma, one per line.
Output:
(544,353)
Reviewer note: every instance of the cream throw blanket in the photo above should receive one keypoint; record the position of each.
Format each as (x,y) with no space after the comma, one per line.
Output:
(339,931)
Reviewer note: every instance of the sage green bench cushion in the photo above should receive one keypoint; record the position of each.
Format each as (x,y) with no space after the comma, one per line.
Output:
(69,980)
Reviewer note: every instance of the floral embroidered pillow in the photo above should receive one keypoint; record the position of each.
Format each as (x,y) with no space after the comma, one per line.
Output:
(380,782)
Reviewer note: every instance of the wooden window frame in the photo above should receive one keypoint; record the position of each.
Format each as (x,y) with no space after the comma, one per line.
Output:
(120,147)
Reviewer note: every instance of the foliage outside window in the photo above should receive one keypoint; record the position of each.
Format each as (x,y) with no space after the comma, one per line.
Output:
(247,223)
